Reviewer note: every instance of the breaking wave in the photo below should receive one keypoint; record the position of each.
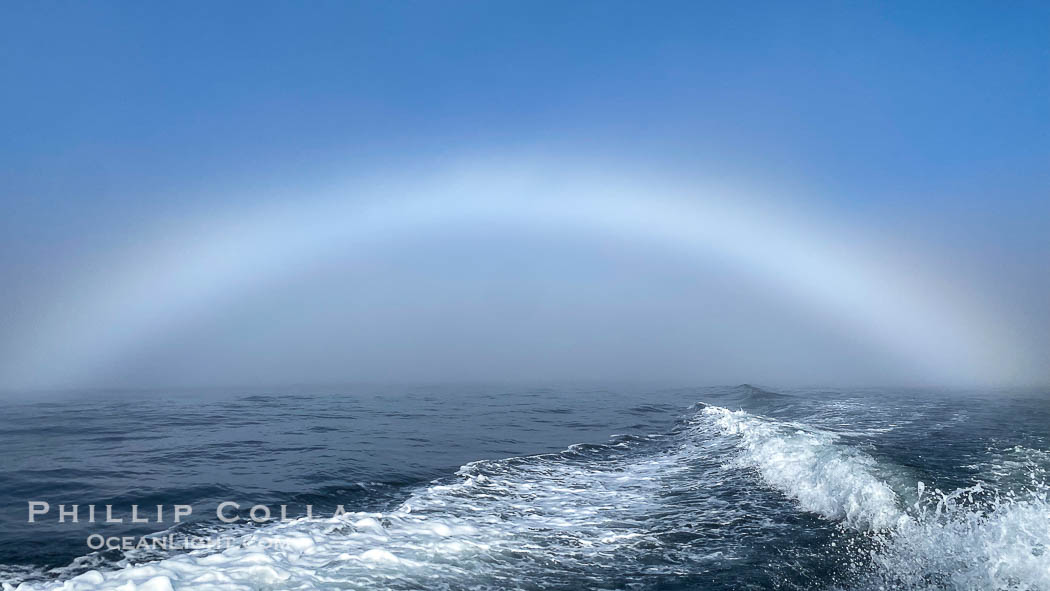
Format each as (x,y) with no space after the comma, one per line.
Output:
(835,481)
(971,538)
(724,486)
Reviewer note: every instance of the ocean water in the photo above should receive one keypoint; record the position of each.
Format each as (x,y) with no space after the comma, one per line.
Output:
(485,487)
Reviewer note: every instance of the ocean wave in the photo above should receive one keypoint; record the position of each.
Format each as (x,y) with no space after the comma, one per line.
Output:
(835,481)
(635,509)
(552,517)
(972,538)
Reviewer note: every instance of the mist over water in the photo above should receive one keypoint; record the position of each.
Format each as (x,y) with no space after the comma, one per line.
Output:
(474,487)
(452,276)
(519,270)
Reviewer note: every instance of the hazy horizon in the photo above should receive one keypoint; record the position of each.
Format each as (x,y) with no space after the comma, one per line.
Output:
(849,195)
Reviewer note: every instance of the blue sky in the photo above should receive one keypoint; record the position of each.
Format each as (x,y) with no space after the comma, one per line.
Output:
(925,124)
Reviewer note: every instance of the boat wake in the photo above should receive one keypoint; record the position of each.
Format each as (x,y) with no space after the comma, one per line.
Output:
(723,488)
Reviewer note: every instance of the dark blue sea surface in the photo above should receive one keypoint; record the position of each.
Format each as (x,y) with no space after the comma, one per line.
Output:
(510,487)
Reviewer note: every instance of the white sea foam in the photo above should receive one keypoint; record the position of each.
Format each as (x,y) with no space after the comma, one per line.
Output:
(593,508)
(807,465)
(551,516)
(970,539)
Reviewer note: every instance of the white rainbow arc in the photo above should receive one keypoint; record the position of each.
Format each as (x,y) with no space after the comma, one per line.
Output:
(220,257)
